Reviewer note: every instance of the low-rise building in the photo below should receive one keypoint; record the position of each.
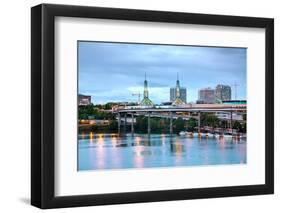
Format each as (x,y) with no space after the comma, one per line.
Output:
(84,100)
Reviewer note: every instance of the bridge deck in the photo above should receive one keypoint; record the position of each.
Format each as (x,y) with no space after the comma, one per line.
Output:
(191,109)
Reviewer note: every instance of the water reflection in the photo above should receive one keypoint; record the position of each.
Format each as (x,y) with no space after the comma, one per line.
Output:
(91,137)
(111,151)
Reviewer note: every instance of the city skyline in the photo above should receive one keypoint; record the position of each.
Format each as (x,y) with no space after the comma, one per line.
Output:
(112,72)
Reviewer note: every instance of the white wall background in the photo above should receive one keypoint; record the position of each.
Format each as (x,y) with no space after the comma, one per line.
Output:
(15,105)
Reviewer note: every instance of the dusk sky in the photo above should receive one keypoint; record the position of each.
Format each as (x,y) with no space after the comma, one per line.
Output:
(111,72)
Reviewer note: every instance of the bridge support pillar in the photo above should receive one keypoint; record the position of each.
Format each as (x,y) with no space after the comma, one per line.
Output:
(125,122)
(231,121)
(132,124)
(119,122)
(171,123)
(199,121)
(148,124)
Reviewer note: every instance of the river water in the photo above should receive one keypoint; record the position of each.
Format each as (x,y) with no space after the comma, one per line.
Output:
(109,151)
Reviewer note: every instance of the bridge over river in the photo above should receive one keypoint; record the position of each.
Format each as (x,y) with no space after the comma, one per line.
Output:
(170,112)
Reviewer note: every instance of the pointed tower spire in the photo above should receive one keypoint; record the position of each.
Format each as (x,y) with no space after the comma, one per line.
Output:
(146,101)
(178,101)
(145,90)
(178,87)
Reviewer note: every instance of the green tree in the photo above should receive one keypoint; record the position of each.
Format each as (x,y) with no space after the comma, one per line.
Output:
(191,124)
(141,124)
(154,125)
(162,125)
(223,124)
(237,125)
(178,125)
(208,119)
(85,111)
(113,126)
(244,127)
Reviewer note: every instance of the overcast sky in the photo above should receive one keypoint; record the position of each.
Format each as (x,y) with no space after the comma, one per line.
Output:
(113,71)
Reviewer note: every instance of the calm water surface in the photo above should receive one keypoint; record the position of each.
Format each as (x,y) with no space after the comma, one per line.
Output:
(109,151)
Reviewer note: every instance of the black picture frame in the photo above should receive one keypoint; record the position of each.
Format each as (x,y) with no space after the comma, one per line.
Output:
(43,102)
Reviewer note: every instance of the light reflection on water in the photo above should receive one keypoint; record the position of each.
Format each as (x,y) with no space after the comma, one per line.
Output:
(111,151)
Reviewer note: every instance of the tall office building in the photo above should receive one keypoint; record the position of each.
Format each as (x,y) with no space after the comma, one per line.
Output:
(222,93)
(206,95)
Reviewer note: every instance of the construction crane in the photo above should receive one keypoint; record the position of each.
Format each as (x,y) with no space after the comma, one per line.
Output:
(138,95)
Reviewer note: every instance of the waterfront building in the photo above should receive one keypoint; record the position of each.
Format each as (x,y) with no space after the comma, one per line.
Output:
(84,100)
(222,93)
(206,96)
(227,116)
(146,101)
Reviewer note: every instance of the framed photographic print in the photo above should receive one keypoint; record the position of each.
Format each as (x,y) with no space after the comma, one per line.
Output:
(139,106)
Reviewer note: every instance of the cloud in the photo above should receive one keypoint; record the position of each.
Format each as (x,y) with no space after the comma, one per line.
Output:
(109,71)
